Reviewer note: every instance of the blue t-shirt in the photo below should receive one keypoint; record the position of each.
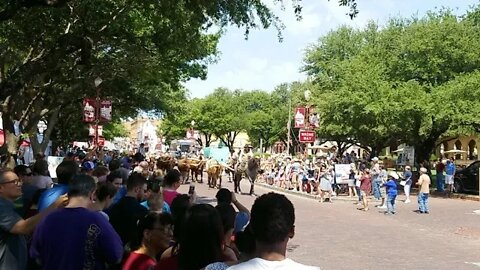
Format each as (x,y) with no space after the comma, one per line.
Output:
(165,208)
(450,169)
(391,187)
(49,196)
(120,194)
(75,238)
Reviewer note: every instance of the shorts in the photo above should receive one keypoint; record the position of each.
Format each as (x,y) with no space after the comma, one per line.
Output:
(449,179)
(351,182)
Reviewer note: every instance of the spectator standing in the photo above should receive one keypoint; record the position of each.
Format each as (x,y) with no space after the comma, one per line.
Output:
(76,237)
(391,186)
(407,175)
(40,178)
(365,188)
(273,224)
(125,214)
(65,173)
(154,201)
(200,242)
(439,168)
(154,233)
(376,181)
(13,246)
(172,183)
(450,173)
(424,183)
(103,197)
(28,189)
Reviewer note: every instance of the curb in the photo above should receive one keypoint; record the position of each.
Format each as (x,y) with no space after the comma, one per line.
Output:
(305,195)
(456,196)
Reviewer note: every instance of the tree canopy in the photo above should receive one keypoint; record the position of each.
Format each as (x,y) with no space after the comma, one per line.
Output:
(381,86)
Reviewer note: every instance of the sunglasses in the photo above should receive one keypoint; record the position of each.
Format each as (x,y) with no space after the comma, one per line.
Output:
(17,182)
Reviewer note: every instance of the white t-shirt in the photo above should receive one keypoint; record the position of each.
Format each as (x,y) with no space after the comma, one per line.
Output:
(261,264)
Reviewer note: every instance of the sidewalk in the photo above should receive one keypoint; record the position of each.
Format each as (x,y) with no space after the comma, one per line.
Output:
(343,197)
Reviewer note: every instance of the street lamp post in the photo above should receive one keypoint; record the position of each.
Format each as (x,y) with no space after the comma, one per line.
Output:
(97,81)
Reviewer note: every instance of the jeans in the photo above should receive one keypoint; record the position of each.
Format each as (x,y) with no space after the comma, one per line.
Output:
(391,203)
(440,182)
(359,193)
(376,189)
(423,202)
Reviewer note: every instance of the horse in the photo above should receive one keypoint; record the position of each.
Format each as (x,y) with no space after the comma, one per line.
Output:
(251,172)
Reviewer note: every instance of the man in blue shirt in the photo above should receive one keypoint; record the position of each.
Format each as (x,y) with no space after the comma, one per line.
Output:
(65,172)
(450,172)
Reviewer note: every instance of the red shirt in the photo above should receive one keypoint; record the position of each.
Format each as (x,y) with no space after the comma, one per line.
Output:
(440,167)
(169,195)
(137,261)
(366,184)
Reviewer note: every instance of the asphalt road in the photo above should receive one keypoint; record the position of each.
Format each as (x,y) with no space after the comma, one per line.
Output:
(337,236)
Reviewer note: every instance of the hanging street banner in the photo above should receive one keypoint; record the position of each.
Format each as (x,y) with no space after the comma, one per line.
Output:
(91,130)
(105,111)
(306,136)
(89,110)
(299,117)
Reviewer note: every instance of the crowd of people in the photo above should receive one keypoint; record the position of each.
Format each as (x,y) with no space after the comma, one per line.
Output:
(365,177)
(124,214)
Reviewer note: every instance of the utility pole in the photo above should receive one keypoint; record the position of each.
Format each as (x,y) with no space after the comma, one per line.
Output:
(289,123)
(98,81)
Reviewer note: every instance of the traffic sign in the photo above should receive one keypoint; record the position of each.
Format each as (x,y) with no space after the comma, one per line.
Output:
(306,136)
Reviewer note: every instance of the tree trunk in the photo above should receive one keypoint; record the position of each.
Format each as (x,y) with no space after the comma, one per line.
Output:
(10,147)
(40,147)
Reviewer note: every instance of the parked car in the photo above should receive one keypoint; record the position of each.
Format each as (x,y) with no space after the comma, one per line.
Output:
(466,180)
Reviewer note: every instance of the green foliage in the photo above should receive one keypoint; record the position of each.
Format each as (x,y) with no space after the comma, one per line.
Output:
(400,83)
(114,129)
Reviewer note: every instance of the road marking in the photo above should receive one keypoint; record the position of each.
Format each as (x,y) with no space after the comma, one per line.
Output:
(476,212)
(474,263)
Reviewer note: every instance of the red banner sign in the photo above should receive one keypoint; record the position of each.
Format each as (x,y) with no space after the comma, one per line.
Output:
(106,111)
(2,137)
(306,136)
(299,117)
(88,110)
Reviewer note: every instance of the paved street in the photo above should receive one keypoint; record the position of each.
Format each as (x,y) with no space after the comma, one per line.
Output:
(337,236)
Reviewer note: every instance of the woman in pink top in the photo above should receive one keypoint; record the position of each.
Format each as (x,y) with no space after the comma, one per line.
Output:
(171,182)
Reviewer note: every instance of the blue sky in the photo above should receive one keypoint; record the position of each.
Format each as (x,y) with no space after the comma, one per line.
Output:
(262,62)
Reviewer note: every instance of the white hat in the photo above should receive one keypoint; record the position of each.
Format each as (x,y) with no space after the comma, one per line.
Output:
(423,170)
(394,175)
(375,159)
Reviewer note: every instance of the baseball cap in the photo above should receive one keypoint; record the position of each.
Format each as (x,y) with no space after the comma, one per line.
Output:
(88,166)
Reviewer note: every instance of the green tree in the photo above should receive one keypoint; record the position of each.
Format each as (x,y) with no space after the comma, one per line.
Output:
(383,86)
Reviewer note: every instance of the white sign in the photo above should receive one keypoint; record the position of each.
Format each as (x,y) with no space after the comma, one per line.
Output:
(53,163)
(342,172)
(407,157)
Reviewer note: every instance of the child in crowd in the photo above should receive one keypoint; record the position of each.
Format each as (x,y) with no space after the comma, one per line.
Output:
(391,186)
